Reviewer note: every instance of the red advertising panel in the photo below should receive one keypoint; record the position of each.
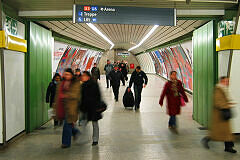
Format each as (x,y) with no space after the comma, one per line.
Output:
(132,66)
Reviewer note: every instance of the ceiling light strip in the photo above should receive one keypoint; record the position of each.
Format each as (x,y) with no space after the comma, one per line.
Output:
(101,34)
(145,38)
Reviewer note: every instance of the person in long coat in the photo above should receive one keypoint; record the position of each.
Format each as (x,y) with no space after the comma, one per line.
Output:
(115,76)
(95,72)
(174,91)
(67,100)
(90,105)
(51,92)
(220,129)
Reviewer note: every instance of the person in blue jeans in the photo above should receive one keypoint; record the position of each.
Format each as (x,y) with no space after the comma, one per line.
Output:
(174,91)
(66,105)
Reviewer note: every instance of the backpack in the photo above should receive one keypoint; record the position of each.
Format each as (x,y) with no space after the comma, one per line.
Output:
(128,99)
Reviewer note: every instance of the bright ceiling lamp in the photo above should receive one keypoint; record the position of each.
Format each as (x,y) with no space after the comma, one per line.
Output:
(101,34)
(144,39)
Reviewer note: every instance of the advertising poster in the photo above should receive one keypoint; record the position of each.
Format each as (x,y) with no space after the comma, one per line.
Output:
(68,56)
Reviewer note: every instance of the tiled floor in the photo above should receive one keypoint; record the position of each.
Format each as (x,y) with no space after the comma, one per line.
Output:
(125,135)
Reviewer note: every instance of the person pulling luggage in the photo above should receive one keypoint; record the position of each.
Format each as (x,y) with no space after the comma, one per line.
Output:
(140,80)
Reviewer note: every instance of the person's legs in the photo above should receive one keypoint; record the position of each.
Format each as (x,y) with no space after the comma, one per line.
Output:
(123,80)
(137,92)
(107,80)
(55,122)
(66,134)
(172,121)
(139,95)
(205,142)
(136,97)
(95,132)
(115,91)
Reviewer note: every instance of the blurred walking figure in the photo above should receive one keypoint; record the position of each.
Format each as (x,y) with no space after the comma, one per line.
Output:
(78,74)
(174,92)
(220,129)
(140,80)
(91,98)
(123,69)
(108,68)
(67,101)
(51,91)
(95,72)
(115,77)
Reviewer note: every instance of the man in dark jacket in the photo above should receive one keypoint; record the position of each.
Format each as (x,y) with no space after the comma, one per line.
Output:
(140,80)
(95,72)
(115,76)
(108,68)
(123,69)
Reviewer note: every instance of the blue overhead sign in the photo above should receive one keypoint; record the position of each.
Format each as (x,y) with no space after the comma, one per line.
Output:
(124,15)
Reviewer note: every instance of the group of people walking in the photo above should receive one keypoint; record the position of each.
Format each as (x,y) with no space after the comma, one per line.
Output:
(118,72)
(74,93)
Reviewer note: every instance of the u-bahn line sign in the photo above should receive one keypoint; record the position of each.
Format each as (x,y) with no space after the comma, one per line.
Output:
(124,15)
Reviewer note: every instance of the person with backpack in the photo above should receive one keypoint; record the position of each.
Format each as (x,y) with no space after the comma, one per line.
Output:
(108,68)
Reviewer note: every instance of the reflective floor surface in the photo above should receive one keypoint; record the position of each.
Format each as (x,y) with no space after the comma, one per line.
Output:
(125,135)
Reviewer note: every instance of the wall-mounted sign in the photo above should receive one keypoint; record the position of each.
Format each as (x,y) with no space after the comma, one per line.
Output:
(225,28)
(124,15)
(123,54)
(13,27)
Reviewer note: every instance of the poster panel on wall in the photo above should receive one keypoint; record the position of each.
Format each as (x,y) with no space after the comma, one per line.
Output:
(175,58)
(68,56)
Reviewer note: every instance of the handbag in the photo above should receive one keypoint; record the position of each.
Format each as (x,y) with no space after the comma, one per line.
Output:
(226,114)
(182,102)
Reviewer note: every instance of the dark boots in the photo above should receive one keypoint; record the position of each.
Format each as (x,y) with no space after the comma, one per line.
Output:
(229,147)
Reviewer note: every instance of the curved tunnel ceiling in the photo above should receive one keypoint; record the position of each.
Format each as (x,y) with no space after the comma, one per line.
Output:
(123,36)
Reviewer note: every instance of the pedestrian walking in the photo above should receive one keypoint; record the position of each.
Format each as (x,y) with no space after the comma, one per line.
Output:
(123,70)
(51,92)
(67,100)
(90,105)
(95,72)
(174,91)
(220,129)
(115,77)
(78,74)
(140,80)
(108,68)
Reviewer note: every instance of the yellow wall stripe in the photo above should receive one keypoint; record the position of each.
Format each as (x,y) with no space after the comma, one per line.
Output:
(2,39)
(17,44)
(12,42)
(228,42)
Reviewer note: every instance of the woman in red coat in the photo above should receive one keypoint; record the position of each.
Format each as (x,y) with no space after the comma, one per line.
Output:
(174,91)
